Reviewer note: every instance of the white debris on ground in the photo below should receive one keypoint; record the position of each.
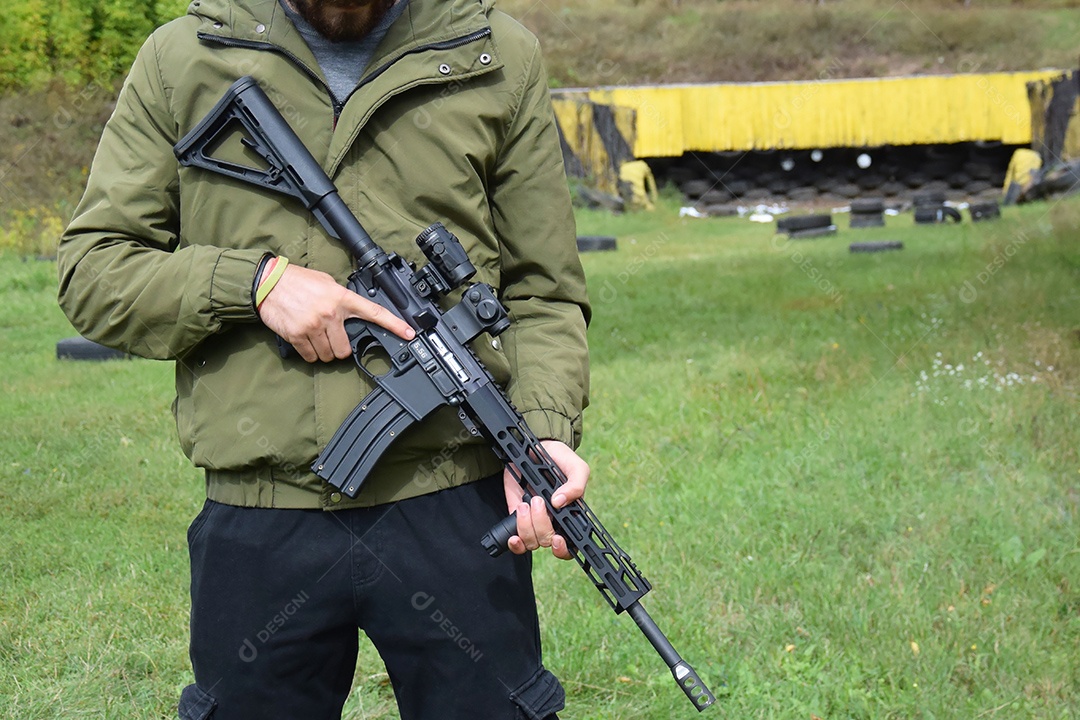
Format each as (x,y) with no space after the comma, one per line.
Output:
(979,374)
(756,212)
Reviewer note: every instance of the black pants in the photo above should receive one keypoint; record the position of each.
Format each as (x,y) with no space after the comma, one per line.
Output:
(278,595)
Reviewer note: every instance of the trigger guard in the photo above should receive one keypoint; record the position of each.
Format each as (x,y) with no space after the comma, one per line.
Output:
(361,342)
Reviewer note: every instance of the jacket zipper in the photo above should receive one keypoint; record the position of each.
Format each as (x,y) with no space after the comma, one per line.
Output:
(441,45)
(256,45)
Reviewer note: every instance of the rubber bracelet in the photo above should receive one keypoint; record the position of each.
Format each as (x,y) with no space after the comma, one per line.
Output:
(255,281)
(271,280)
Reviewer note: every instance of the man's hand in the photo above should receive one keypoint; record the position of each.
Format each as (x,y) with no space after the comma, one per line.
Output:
(533,522)
(308,309)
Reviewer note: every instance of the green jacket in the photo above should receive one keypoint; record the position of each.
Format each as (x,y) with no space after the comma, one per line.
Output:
(452,121)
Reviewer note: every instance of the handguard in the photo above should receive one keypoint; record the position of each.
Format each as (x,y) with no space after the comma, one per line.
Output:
(433,370)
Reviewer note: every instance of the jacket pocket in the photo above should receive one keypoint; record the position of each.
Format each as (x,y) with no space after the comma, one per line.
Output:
(540,697)
(196,704)
(200,520)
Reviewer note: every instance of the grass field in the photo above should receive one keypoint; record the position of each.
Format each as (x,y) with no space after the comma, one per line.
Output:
(854,481)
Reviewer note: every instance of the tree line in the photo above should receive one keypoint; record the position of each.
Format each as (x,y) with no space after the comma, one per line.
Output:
(76,41)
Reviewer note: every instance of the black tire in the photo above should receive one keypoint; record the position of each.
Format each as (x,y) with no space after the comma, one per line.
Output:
(720,210)
(867,206)
(596,199)
(812,232)
(716,195)
(984,211)
(916,180)
(893,188)
(867,220)
(694,189)
(848,190)
(681,175)
(869,181)
(828,183)
(595,243)
(925,215)
(780,186)
(803,194)
(928,214)
(958,180)
(803,222)
(876,246)
(737,187)
(938,170)
(79,348)
(929,198)
(979,171)
(977,186)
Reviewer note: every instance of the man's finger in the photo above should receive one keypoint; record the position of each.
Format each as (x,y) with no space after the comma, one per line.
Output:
(559,548)
(541,522)
(516,545)
(525,527)
(302,346)
(339,342)
(512,490)
(360,307)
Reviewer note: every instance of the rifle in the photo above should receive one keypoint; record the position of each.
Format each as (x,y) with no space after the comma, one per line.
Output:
(436,368)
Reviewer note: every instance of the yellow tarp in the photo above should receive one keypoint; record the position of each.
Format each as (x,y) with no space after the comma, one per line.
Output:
(671,120)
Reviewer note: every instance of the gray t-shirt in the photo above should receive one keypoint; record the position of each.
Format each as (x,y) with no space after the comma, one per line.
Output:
(343,63)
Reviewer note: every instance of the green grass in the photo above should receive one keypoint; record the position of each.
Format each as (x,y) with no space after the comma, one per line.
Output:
(838,520)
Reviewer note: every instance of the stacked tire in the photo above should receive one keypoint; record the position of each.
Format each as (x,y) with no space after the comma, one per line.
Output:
(867,212)
(935,215)
(806,226)
(930,208)
(984,211)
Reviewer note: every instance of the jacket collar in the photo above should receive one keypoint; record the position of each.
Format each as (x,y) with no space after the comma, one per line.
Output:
(425,23)
(433,42)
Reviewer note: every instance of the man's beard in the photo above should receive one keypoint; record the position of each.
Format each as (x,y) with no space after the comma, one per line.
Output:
(343,20)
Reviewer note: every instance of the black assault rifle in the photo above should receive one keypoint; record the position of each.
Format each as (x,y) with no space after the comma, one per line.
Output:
(433,370)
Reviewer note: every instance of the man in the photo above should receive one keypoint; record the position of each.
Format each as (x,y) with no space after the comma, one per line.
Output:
(420,110)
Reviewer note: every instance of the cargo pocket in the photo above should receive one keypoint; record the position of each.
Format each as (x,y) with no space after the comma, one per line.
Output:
(196,704)
(539,698)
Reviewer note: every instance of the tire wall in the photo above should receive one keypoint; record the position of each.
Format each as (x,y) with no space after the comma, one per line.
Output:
(1055,130)
(835,176)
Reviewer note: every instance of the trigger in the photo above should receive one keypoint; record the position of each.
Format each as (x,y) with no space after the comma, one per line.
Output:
(361,340)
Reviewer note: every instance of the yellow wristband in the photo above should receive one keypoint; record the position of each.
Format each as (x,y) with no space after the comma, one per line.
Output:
(271,280)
